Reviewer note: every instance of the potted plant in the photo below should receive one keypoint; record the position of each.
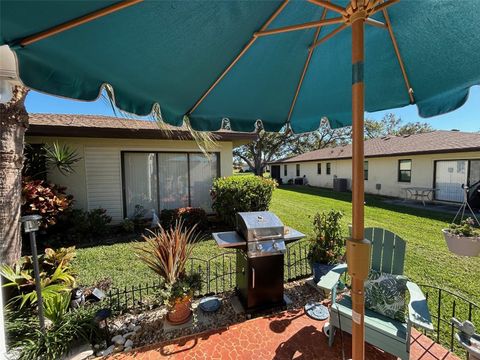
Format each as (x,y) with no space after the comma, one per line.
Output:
(327,247)
(166,252)
(464,238)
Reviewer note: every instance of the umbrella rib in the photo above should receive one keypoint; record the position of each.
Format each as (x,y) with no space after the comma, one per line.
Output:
(305,68)
(328,5)
(77,22)
(235,60)
(383,6)
(329,36)
(399,57)
(303,26)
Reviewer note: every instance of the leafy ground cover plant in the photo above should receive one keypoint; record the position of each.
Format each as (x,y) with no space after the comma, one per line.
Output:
(56,277)
(23,333)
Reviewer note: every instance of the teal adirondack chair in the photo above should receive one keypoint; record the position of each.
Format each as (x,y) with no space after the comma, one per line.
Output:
(392,336)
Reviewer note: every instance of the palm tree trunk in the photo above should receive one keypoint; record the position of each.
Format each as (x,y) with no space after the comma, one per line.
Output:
(13,123)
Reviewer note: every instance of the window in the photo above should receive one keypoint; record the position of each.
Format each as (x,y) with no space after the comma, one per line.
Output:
(365,170)
(298,169)
(285,170)
(329,170)
(319,168)
(167,180)
(404,170)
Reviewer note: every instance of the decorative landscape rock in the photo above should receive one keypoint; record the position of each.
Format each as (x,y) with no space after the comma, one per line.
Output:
(118,340)
(148,326)
(108,350)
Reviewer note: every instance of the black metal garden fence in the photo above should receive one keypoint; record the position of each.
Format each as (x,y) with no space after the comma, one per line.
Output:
(218,275)
(444,305)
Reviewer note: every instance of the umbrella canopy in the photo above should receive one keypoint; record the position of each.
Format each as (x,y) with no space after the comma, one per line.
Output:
(171,53)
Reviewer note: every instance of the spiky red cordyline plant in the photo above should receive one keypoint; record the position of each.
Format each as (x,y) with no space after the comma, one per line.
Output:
(167,251)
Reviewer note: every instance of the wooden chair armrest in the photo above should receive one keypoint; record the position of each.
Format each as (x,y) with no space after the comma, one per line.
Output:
(329,281)
(418,313)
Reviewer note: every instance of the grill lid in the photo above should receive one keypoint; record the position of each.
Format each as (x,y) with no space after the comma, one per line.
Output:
(259,225)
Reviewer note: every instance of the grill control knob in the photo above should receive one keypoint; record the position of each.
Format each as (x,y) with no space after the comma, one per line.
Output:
(259,247)
(275,246)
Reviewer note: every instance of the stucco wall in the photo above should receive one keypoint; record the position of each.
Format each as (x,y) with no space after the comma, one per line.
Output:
(97,181)
(383,170)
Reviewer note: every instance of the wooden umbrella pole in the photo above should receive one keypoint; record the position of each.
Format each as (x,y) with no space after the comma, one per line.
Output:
(358,249)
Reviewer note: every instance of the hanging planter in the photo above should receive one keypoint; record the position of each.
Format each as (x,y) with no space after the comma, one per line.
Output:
(463,239)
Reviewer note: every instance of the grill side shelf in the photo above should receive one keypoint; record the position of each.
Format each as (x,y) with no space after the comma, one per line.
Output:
(229,239)
(292,235)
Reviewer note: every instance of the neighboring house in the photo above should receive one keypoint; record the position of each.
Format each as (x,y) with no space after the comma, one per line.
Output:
(127,162)
(443,160)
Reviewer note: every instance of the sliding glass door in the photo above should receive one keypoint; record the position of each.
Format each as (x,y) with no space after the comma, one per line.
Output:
(140,182)
(450,176)
(173,180)
(203,171)
(167,180)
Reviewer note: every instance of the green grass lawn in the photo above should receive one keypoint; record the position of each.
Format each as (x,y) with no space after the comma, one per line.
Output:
(428,260)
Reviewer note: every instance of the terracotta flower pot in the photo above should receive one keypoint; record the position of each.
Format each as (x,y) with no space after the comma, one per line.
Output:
(180,311)
(462,245)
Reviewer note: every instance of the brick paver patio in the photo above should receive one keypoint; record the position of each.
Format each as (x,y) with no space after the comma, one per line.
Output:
(287,335)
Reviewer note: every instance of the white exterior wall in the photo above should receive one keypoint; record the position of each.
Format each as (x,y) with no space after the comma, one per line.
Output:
(381,170)
(97,180)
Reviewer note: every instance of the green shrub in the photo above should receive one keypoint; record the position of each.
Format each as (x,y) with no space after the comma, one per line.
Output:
(76,226)
(241,193)
(189,216)
(127,225)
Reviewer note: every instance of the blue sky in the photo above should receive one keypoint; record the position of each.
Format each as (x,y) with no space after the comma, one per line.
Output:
(467,118)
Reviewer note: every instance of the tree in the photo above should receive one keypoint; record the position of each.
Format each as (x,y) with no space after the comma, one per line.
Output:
(13,123)
(322,138)
(273,146)
(264,149)
(393,125)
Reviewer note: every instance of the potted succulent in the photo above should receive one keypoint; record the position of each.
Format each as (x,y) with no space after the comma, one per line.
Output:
(464,238)
(327,247)
(166,252)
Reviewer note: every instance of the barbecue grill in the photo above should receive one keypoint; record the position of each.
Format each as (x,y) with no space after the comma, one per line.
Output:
(260,239)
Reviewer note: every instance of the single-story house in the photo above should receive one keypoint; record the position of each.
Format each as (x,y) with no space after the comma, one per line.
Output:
(440,160)
(125,162)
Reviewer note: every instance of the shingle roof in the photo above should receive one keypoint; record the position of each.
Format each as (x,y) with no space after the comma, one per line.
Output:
(90,121)
(112,127)
(439,141)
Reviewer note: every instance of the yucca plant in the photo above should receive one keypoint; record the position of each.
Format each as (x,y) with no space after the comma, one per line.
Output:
(61,157)
(167,250)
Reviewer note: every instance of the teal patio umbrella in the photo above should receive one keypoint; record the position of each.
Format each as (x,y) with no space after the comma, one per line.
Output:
(284,63)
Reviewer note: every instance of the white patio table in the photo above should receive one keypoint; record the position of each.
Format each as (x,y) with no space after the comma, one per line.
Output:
(419,193)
